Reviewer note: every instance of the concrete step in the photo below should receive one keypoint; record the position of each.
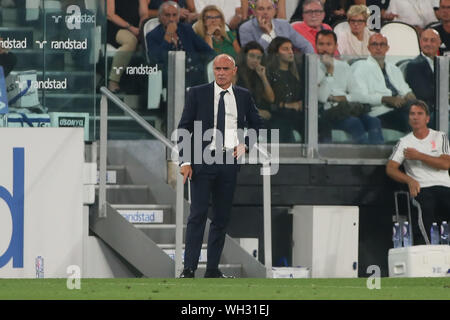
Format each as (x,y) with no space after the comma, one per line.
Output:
(143,214)
(130,194)
(31,59)
(161,233)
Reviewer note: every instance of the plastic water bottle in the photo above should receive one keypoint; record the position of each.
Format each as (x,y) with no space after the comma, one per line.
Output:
(406,235)
(434,233)
(396,236)
(444,233)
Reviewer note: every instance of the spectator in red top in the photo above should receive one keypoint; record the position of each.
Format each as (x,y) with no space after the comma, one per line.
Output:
(313,16)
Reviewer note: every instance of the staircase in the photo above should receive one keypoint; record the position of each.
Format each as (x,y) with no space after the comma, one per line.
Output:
(140,223)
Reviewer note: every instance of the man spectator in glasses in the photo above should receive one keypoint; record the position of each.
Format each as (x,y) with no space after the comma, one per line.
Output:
(313,15)
(443,26)
(420,72)
(263,28)
(382,86)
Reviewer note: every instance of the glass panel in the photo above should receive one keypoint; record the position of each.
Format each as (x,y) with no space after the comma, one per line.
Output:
(360,103)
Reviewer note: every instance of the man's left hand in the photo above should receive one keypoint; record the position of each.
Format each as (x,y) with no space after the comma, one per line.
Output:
(239,150)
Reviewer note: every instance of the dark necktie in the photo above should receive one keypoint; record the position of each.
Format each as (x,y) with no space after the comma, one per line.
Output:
(221,119)
(389,84)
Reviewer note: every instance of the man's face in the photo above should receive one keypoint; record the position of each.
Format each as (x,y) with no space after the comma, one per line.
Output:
(313,15)
(169,15)
(326,45)
(378,45)
(430,42)
(224,71)
(286,52)
(444,10)
(418,119)
(264,10)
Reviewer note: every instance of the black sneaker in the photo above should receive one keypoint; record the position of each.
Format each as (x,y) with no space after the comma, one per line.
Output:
(216,274)
(187,273)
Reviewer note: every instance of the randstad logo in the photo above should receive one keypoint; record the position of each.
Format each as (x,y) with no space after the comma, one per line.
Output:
(15,202)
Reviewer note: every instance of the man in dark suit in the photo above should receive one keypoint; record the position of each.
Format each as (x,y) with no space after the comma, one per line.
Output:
(172,35)
(222,109)
(419,73)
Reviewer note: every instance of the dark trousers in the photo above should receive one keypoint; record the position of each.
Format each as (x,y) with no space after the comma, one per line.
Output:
(219,182)
(435,204)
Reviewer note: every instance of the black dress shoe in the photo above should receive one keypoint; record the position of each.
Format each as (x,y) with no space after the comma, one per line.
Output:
(187,273)
(216,274)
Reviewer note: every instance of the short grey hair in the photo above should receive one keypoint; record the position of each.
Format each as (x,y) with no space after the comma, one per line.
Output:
(168,4)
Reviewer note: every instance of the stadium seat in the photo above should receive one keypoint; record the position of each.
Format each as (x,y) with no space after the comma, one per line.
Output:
(155,90)
(341,27)
(147,27)
(403,41)
(340,136)
(402,64)
(209,71)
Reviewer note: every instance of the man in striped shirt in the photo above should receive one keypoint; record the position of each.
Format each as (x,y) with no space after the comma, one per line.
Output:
(425,156)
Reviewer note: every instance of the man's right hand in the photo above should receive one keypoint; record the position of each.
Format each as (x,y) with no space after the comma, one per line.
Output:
(393,102)
(414,187)
(186,172)
(265,25)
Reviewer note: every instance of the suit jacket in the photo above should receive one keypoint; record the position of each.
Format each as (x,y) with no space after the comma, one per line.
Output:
(420,78)
(199,106)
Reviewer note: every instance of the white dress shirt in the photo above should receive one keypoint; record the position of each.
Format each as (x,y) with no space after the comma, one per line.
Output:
(341,83)
(372,86)
(414,12)
(230,136)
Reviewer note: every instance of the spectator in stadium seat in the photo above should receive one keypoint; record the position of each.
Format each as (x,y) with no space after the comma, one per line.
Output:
(419,72)
(124,20)
(231,10)
(337,106)
(252,75)
(313,15)
(425,156)
(443,27)
(263,28)
(355,42)
(188,13)
(249,9)
(172,35)
(382,86)
(211,28)
(418,13)
(287,110)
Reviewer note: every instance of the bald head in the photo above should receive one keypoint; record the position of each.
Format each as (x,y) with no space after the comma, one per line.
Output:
(224,68)
(378,45)
(430,42)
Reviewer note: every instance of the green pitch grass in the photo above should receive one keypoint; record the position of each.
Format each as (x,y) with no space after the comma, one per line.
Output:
(225,289)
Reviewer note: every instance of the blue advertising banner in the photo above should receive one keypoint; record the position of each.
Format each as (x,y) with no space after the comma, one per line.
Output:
(3,96)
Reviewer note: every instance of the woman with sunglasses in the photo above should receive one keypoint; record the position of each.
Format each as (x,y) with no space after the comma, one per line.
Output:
(211,27)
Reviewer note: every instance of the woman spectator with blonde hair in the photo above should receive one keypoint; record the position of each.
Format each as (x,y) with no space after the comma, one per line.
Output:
(354,41)
(211,27)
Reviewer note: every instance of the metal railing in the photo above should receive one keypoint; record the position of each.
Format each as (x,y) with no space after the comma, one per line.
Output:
(106,94)
(179,217)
